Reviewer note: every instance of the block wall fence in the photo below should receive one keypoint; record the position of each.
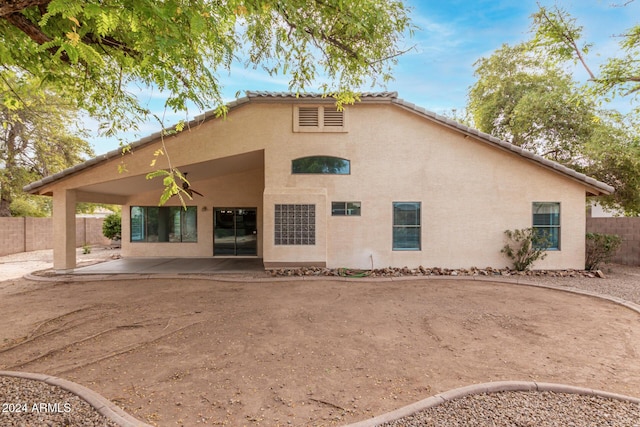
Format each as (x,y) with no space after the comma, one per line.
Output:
(22,234)
(625,227)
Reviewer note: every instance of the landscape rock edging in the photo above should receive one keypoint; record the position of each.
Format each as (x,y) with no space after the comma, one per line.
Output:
(426,271)
(491,387)
(102,405)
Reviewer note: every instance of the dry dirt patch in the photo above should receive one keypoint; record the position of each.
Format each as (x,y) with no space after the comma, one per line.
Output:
(175,352)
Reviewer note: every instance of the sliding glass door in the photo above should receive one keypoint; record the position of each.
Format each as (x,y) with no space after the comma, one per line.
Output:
(235,232)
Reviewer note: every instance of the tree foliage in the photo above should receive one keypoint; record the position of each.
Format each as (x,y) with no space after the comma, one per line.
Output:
(556,31)
(612,155)
(99,52)
(96,50)
(34,142)
(525,96)
(530,102)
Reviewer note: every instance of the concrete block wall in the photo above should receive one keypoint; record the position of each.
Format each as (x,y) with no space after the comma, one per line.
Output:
(93,231)
(628,229)
(12,235)
(31,234)
(38,234)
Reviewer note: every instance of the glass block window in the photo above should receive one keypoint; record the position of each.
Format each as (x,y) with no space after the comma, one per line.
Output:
(295,224)
(546,221)
(322,165)
(345,208)
(406,226)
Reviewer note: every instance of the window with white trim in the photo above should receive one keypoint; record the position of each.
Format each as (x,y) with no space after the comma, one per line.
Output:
(406,226)
(546,221)
(345,208)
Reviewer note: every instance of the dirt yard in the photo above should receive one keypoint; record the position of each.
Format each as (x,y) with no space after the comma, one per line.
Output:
(189,352)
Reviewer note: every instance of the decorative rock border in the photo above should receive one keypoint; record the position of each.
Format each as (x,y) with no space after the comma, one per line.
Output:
(492,387)
(426,271)
(103,406)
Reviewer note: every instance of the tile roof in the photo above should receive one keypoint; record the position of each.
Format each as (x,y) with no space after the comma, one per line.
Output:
(391,97)
(292,95)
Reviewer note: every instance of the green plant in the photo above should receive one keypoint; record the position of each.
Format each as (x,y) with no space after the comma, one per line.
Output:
(86,249)
(525,246)
(600,248)
(112,226)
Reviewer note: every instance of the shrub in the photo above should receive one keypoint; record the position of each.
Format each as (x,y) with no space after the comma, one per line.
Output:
(525,246)
(600,248)
(112,226)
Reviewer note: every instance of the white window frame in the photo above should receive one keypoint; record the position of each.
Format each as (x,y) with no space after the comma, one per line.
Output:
(398,226)
(557,227)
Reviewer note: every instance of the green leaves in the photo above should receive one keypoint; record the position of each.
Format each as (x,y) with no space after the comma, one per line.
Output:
(524,247)
(529,100)
(35,140)
(92,51)
(560,37)
(170,184)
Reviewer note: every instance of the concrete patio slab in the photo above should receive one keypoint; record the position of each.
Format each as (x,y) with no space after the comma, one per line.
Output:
(174,266)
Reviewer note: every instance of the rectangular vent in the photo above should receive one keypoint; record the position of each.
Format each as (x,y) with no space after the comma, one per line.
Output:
(308,117)
(333,117)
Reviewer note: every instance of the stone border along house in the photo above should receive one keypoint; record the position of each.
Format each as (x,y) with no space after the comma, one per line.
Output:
(294,181)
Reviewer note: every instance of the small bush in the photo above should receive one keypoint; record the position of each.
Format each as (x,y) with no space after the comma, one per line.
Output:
(600,248)
(524,247)
(112,226)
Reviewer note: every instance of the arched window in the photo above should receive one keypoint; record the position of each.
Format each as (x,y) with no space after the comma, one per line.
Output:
(321,164)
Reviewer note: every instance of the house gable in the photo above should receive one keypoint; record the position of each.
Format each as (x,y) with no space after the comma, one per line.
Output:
(592,186)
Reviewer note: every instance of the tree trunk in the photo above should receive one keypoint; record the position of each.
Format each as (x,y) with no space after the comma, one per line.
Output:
(4,207)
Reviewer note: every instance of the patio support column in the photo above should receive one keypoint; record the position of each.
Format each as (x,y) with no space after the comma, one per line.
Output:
(64,230)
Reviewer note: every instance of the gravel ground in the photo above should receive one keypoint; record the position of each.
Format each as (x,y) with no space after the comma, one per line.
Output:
(621,281)
(37,404)
(526,409)
(515,409)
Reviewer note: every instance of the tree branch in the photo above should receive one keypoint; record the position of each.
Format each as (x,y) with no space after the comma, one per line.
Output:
(111,42)
(568,38)
(33,32)
(8,7)
(29,28)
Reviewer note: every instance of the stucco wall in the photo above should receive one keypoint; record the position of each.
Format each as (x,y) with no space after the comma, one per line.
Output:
(470,193)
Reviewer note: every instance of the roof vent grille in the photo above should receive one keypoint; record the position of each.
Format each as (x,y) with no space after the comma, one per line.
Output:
(333,117)
(308,116)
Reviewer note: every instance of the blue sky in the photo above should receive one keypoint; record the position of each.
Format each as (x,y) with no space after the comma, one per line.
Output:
(437,74)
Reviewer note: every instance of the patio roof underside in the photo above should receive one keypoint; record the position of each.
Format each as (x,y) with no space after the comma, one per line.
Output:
(131,185)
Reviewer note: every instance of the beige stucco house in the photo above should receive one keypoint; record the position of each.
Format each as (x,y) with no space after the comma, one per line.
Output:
(293,181)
